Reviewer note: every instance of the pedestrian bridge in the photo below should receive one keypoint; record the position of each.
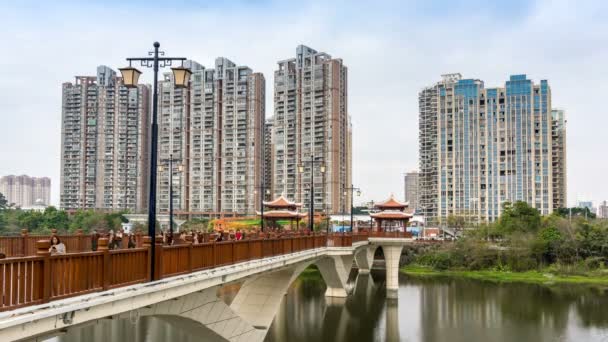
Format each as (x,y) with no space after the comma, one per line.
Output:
(45,295)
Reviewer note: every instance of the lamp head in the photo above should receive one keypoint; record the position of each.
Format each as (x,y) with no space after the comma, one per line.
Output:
(130,76)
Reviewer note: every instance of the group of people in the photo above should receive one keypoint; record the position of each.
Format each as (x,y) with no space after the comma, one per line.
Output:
(198,237)
(230,236)
(114,239)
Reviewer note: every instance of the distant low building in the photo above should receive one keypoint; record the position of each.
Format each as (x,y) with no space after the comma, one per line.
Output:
(26,191)
(602,210)
(39,206)
(585,204)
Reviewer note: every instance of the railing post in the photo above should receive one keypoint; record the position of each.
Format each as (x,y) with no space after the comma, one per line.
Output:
(232,242)
(147,243)
(249,257)
(213,252)
(138,240)
(80,240)
(42,250)
(189,241)
(24,234)
(159,258)
(102,246)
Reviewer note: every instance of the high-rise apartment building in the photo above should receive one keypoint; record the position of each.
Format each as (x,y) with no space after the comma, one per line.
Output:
(411,189)
(214,130)
(268,157)
(311,122)
(558,156)
(481,147)
(25,191)
(104,143)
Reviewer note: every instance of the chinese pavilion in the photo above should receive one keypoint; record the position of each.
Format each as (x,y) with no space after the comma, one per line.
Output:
(282,209)
(391,215)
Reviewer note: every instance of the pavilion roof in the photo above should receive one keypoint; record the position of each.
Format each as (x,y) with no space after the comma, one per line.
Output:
(282,214)
(391,215)
(282,202)
(392,203)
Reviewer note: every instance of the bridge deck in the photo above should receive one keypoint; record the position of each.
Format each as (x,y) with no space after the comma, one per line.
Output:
(34,280)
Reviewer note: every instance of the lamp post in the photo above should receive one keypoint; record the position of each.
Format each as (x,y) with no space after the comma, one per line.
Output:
(352,190)
(180,169)
(156,59)
(263,193)
(312,162)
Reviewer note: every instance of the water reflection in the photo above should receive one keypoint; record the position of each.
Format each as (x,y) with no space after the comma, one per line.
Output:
(444,309)
(428,309)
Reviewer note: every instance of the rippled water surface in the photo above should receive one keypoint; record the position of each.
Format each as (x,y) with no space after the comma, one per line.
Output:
(428,309)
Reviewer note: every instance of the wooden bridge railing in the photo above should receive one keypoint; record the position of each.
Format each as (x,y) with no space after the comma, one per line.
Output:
(31,280)
(25,244)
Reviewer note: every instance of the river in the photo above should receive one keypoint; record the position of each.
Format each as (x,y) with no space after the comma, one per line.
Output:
(428,309)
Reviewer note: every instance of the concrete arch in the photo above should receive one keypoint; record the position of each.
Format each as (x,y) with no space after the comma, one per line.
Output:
(206,309)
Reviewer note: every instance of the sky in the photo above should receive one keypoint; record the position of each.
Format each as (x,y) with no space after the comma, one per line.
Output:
(392,49)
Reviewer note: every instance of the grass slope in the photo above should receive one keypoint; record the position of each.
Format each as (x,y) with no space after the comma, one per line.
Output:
(534,277)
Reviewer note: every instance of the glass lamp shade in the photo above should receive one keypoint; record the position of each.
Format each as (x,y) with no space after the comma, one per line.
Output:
(267,192)
(301,169)
(181,76)
(130,76)
(180,168)
(161,168)
(358,192)
(322,168)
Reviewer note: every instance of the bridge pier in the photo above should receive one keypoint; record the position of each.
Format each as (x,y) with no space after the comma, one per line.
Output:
(335,270)
(392,254)
(258,300)
(364,257)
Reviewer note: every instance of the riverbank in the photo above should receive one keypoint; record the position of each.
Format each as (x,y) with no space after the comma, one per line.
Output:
(533,277)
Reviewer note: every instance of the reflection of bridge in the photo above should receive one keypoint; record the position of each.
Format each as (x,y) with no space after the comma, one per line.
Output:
(49,294)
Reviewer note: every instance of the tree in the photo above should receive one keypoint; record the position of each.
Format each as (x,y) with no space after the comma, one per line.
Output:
(575,212)
(457,222)
(518,217)
(3,202)
(55,219)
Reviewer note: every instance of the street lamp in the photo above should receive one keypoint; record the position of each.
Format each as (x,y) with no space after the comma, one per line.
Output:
(263,193)
(352,190)
(155,60)
(312,162)
(180,168)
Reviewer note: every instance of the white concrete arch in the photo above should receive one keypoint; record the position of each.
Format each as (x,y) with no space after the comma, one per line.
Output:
(207,309)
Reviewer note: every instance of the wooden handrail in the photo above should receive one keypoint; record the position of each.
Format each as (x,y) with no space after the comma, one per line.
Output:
(30,280)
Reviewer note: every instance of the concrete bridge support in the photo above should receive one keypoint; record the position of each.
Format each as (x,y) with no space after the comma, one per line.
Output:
(205,308)
(258,300)
(364,257)
(392,254)
(335,270)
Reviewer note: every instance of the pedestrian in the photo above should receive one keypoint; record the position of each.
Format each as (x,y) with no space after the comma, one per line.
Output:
(131,243)
(238,235)
(118,239)
(57,247)
(94,240)
(111,239)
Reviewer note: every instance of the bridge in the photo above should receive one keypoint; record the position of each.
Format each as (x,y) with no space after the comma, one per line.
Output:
(46,295)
